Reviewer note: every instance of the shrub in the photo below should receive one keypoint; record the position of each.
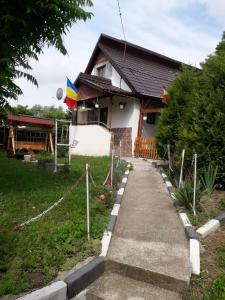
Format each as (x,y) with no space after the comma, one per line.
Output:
(184,195)
(208,179)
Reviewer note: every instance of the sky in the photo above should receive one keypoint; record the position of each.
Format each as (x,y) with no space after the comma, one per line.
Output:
(186,30)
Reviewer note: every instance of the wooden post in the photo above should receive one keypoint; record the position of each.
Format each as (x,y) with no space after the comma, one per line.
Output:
(11,139)
(140,123)
(51,142)
(110,112)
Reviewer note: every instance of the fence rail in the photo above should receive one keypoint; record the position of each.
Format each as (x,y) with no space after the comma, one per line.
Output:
(145,147)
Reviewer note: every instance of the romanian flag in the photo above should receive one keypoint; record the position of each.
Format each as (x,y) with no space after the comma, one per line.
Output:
(71,95)
(164,96)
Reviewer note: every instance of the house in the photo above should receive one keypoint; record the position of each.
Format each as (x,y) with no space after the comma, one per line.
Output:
(120,99)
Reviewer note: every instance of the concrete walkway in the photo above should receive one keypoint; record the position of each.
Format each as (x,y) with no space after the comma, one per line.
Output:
(148,256)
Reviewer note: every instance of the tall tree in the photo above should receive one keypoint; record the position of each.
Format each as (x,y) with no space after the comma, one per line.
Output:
(25,27)
(200,127)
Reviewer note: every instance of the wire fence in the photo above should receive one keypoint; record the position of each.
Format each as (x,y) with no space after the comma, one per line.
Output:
(69,190)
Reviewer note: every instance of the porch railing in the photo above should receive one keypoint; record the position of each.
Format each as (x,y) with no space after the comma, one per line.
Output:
(145,147)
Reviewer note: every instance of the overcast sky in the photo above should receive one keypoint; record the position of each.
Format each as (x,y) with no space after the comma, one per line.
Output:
(186,30)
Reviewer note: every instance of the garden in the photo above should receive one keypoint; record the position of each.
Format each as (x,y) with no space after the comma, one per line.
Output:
(33,254)
(190,133)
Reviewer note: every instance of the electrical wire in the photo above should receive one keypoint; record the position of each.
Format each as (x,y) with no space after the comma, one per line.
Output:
(124,36)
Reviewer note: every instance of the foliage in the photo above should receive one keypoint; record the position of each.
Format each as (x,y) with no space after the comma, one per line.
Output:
(181,92)
(217,290)
(198,126)
(26,27)
(208,178)
(48,111)
(184,195)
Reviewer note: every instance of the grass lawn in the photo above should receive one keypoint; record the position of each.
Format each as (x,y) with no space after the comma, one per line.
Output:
(33,255)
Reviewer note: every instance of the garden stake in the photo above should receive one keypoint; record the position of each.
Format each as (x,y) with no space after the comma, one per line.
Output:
(181,168)
(120,150)
(112,168)
(195,178)
(87,189)
(168,152)
(56,136)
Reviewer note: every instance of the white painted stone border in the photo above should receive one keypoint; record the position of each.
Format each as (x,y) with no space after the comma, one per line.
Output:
(194,249)
(57,291)
(115,211)
(105,242)
(210,227)
(194,244)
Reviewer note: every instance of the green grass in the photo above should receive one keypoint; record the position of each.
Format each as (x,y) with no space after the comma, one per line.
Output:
(33,255)
(217,290)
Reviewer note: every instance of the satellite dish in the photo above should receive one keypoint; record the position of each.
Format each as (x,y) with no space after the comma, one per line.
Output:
(59,93)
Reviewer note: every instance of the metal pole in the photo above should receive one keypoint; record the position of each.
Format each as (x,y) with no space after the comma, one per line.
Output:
(120,149)
(69,145)
(56,141)
(181,168)
(112,168)
(88,216)
(195,178)
(168,151)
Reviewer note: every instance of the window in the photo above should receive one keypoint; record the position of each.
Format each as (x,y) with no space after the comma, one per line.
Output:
(151,118)
(101,71)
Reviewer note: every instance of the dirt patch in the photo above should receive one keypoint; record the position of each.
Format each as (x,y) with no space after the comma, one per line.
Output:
(36,279)
(215,204)
(210,268)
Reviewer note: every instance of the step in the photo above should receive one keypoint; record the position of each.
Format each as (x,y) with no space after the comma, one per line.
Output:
(154,277)
(112,286)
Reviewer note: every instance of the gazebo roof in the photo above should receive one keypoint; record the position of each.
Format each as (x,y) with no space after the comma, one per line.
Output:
(30,120)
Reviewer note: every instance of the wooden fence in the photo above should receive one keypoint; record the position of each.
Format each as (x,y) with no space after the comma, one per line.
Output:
(145,147)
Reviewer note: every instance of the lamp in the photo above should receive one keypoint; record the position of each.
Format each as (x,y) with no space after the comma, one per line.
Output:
(83,107)
(122,105)
(145,117)
(96,104)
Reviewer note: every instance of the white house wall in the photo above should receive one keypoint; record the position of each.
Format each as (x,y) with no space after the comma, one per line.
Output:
(117,81)
(90,140)
(112,74)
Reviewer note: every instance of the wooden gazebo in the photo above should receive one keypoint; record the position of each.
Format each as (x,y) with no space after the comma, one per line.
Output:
(28,132)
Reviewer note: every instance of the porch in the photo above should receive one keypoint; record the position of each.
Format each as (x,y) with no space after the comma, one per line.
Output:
(129,122)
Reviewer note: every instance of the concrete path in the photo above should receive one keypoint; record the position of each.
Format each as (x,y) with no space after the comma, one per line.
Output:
(148,250)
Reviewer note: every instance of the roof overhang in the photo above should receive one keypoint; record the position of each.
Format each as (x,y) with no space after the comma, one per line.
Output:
(30,120)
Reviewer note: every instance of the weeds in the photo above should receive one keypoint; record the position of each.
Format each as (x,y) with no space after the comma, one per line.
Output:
(208,179)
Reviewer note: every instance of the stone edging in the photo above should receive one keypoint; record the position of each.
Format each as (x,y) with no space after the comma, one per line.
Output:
(192,235)
(76,282)
(211,226)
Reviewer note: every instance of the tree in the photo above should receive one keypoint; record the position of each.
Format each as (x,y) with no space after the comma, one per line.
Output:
(51,112)
(25,27)
(200,127)
(181,92)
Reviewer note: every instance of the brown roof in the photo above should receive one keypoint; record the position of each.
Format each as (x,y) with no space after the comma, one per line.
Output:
(146,72)
(102,84)
(30,120)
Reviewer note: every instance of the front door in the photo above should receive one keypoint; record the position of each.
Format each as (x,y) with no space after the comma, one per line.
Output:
(104,115)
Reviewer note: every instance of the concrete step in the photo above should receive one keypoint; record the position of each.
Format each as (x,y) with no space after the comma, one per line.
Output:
(112,286)
(154,277)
